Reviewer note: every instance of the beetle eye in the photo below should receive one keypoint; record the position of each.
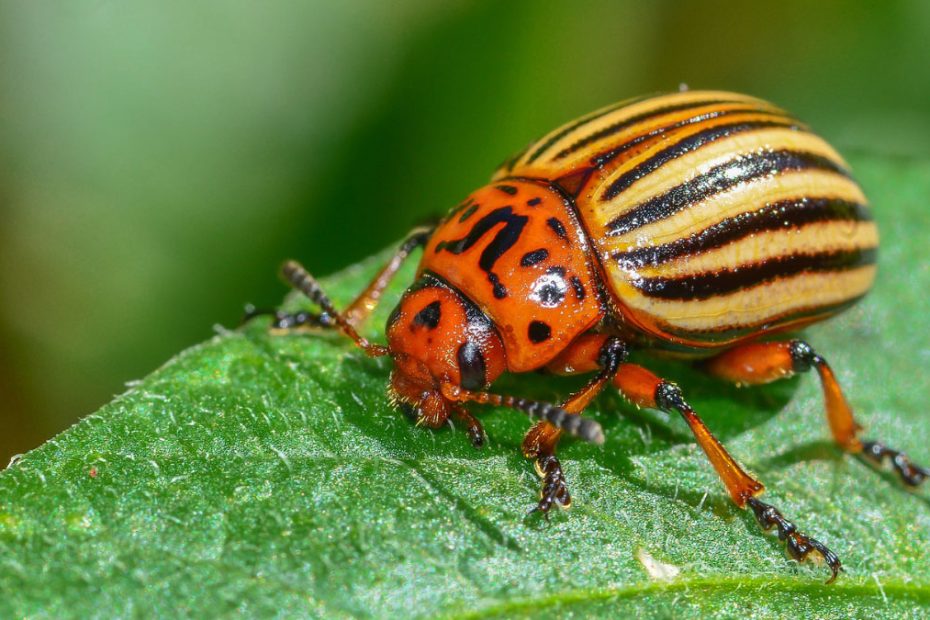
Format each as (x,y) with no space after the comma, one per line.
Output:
(472,366)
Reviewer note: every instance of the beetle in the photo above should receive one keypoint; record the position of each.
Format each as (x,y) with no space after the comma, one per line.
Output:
(698,224)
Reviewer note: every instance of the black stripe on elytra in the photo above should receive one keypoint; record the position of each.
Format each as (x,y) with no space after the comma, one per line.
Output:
(429,316)
(685,146)
(616,128)
(601,159)
(581,122)
(532,258)
(792,213)
(472,366)
(511,161)
(713,283)
(505,238)
(739,169)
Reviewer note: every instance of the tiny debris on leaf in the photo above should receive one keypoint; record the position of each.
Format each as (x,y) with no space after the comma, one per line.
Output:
(660,571)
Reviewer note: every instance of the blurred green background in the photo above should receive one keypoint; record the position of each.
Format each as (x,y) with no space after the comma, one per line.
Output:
(158,160)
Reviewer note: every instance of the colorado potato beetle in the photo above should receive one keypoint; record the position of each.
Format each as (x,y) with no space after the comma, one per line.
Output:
(694,223)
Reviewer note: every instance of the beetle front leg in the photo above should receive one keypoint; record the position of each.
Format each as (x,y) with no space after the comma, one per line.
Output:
(757,363)
(589,352)
(472,426)
(645,389)
(359,310)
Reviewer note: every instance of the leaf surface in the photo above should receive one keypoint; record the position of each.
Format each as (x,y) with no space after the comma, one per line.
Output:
(268,475)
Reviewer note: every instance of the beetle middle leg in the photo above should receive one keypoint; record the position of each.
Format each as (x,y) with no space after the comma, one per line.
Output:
(757,363)
(588,353)
(645,389)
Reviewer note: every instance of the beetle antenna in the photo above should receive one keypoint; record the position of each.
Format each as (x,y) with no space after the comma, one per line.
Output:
(299,278)
(573,424)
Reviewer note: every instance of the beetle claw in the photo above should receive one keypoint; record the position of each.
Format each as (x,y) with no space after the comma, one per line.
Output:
(472,426)
(799,546)
(910,473)
(554,489)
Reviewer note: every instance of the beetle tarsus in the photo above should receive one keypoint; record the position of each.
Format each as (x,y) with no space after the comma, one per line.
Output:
(878,454)
(799,546)
(472,426)
(554,489)
(288,320)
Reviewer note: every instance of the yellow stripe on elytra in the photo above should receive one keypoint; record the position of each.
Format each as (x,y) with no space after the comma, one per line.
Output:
(739,111)
(813,238)
(696,163)
(624,113)
(743,198)
(754,305)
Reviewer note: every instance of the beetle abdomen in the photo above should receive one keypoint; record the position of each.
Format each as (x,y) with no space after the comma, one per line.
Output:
(715,216)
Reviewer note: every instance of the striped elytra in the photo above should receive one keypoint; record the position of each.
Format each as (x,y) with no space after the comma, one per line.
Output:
(695,222)
(713,216)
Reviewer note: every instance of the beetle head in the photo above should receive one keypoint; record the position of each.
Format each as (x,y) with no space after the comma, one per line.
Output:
(437,337)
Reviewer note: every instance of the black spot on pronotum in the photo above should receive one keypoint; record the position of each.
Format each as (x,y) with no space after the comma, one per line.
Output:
(468,202)
(551,294)
(472,366)
(539,332)
(556,225)
(428,316)
(507,189)
(503,240)
(534,201)
(550,288)
(499,290)
(579,288)
(467,213)
(532,258)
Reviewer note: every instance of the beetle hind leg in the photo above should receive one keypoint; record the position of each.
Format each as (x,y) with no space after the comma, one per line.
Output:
(910,473)
(799,546)
(757,363)
(644,389)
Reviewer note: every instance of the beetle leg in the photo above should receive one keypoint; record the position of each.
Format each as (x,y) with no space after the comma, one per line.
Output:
(757,363)
(645,389)
(589,352)
(359,310)
(472,425)
(368,299)
(287,321)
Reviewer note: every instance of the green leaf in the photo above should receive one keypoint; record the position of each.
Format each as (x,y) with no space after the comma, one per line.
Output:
(267,475)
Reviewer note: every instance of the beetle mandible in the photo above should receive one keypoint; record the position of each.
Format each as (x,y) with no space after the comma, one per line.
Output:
(692,223)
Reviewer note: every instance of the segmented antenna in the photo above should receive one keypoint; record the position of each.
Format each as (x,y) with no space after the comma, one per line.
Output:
(298,277)
(573,424)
